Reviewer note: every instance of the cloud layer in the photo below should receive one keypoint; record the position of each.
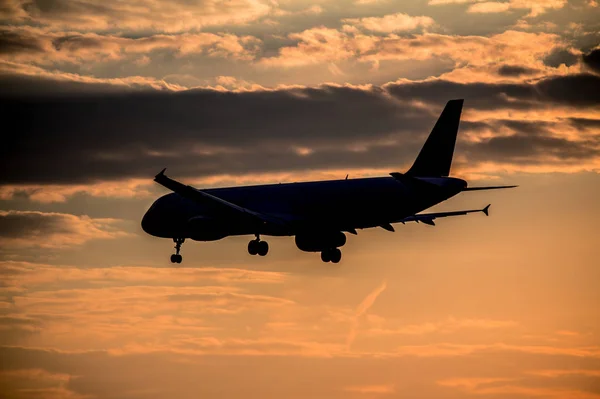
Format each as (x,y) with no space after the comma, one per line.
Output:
(205,132)
(53,230)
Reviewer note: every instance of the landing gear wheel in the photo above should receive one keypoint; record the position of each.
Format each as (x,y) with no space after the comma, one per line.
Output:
(176,258)
(263,248)
(257,247)
(333,255)
(336,255)
(253,247)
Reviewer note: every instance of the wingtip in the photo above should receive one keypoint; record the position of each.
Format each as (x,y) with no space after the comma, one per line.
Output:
(161,173)
(486,210)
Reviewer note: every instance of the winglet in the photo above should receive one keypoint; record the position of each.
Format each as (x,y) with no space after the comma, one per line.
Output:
(162,173)
(486,210)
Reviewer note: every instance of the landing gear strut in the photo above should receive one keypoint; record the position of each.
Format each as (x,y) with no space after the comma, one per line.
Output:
(333,255)
(176,258)
(258,247)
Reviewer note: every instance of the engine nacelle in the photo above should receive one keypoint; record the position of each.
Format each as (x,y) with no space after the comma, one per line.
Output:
(201,228)
(317,242)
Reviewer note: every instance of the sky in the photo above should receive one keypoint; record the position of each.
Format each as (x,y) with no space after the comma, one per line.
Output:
(96,97)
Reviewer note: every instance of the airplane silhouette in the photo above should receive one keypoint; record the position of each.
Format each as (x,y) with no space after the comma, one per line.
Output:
(317,213)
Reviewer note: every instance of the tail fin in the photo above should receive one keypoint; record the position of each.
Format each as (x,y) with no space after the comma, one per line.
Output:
(435,157)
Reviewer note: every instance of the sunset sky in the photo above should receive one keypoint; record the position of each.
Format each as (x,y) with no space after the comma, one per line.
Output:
(96,97)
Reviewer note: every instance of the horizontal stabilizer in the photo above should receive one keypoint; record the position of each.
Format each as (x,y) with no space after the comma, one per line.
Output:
(486,188)
(486,210)
(428,218)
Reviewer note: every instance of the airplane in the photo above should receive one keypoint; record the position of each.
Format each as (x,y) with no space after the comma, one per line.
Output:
(317,213)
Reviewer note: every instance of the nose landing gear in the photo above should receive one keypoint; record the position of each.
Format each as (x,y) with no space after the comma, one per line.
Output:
(176,258)
(258,247)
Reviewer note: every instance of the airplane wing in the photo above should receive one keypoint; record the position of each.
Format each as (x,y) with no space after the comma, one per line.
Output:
(428,218)
(206,198)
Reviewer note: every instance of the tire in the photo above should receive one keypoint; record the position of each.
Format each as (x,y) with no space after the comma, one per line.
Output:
(253,247)
(336,255)
(263,248)
(325,256)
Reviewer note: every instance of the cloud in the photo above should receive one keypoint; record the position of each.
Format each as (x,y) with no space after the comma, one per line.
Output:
(52,193)
(203,133)
(560,373)
(516,387)
(27,44)
(371,389)
(559,57)
(26,383)
(391,23)
(448,326)
(592,60)
(53,230)
(36,276)
(321,45)
(30,79)
(362,308)
(178,377)
(315,45)
(489,7)
(165,16)
(535,7)
(93,373)
(515,70)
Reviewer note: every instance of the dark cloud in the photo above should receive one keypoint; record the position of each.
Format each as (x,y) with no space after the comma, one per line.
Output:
(106,15)
(528,149)
(575,90)
(559,57)
(51,230)
(76,42)
(584,123)
(98,135)
(16,224)
(514,70)
(14,328)
(12,42)
(592,60)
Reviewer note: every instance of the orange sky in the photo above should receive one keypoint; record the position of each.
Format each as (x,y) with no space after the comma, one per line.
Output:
(97,97)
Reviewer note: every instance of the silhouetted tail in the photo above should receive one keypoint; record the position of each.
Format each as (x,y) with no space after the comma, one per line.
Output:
(435,157)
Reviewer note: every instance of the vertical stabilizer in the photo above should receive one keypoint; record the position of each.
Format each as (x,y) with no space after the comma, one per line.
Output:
(435,157)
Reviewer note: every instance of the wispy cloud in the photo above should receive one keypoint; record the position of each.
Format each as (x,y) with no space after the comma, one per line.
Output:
(372,389)
(392,22)
(535,7)
(362,308)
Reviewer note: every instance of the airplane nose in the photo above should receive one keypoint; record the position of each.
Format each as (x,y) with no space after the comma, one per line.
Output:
(148,222)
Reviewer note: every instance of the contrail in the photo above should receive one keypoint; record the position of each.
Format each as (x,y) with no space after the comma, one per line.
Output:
(362,309)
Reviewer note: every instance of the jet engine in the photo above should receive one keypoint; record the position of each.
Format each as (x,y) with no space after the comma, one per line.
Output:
(202,228)
(317,242)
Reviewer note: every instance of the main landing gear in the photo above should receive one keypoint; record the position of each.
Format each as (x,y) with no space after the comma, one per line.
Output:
(176,258)
(258,247)
(333,255)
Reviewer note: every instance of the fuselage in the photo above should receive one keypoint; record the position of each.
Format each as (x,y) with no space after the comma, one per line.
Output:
(338,205)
